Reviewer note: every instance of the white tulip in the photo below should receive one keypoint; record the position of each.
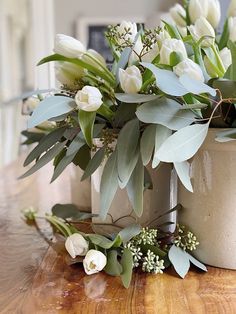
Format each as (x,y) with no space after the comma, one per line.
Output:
(163,35)
(76,245)
(130,79)
(197,9)
(68,46)
(226,57)
(151,54)
(129,30)
(232,8)
(232,28)
(203,28)
(89,98)
(190,68)
(94,55)
(178,15)
(183,31)
(169,46)
(68,74)
(214,12)
(94,262)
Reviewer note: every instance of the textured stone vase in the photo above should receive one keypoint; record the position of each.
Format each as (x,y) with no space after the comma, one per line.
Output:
(211,210)
(156,201)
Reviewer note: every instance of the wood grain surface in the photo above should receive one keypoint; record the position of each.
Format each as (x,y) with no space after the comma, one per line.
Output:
(35,277)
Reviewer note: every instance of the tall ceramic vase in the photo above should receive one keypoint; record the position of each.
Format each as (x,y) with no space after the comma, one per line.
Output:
(211,210)
(156,201)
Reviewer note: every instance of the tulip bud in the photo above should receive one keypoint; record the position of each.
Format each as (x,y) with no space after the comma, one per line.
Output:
(214,12)
(151,54)
(226,57)
(232,28)
(94,262)
(197,9)
(189,68)
(178,15)
(128,31)
(183,31)
(68,74)
(94,55)
(232,8)
(203,28)
(68,46)
(88,99)
(130,79)
(76,245)
(163,34)
(169,46)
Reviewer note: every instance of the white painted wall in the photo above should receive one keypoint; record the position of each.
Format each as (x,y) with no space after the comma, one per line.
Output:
(68,11)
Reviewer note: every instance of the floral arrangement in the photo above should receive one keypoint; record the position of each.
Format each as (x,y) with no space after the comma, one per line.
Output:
(154,104)
(119,254)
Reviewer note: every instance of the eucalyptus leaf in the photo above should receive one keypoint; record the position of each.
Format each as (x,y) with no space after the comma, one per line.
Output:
(124,58)
(135,188)
(82,157)
(180,260)
(61,166)
(65,210)
(161,134)
(86,121)
(225,36)
(129,232)
(109,184)
(94,163)
(166,112)
(135,98)
(196,87)
(76,144)
(166,80)
(147,143)
(44,144)
(127,265)
(226,87)
(46,158)
(196,263)
(127,145)
(183,144)
(113,267)
(50,107)
(183,172)
(32,137)
(104,242)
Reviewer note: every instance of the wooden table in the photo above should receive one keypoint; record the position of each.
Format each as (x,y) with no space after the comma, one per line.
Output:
(34,279)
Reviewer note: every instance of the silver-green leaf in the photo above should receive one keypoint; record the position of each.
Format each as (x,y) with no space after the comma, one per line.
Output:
(50,107)
(180,260)
(166,112)
(147,143)
(161,134)
(127,149)
(183,144)
(109,184)
(183,170)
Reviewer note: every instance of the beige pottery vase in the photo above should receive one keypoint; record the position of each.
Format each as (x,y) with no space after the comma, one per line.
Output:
(156,201)
(210,212)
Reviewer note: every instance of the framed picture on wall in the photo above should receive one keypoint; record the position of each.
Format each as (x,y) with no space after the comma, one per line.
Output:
(90,31)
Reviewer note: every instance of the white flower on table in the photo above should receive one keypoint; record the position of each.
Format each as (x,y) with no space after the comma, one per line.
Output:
(76,245)
(130,79)
(94,262)
(89,98)
(68,46)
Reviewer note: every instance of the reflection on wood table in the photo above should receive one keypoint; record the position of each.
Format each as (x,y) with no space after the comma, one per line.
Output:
(35,279)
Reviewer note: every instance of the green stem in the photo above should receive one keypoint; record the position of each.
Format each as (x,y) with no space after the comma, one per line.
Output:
(100,65)
(61,226)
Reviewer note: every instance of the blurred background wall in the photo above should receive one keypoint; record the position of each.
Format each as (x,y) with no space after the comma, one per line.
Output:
(27,29)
